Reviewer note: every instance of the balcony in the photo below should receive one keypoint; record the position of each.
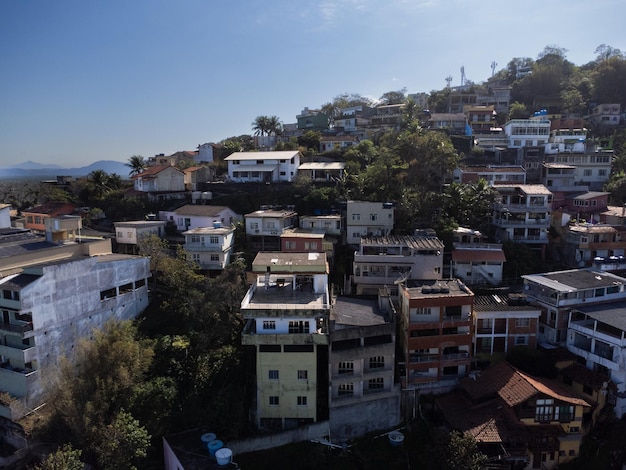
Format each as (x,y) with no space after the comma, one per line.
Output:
(20,354)
(21,329)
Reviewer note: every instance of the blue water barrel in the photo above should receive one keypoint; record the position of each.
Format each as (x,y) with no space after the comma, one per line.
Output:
(214,446)
(208,437)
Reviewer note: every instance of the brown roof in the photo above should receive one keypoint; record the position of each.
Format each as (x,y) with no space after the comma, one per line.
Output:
(515,387)
(478,255)
(151,171)
(52,208)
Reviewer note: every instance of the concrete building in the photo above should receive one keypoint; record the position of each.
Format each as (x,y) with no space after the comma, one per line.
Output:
(129,234)
(210,247)
(558,292)
(478,263)
(533,132)
(5,216)
(52,295)
(160,179)
(286,311)
(34,218)
(522,214)
(384,261)
(493,174)
(363,395)
(502,321)
(435,333)
(596,334)
(265,226)
(368,219)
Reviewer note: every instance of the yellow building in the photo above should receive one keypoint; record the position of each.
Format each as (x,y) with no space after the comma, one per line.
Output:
(286,311)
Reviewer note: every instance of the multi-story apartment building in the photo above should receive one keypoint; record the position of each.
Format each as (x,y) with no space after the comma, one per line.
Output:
(52,294)
(312,120)
(363,395)
(533,132)
(387,116)
(592,169)
(497,96)
(129,234)
(263,167)
(589,243)
(522,214)
(435,334)
(384,261)
(286,311)
(210,247)
(368,219)
(452,123)
(501,322)
(597,335)
(265,226)
(559,291)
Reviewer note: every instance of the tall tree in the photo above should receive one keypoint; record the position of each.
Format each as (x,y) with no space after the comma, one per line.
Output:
(393,97)
(261,125)
(137,164)
(100,182)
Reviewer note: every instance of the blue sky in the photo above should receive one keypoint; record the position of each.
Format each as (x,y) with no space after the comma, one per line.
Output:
(87,80)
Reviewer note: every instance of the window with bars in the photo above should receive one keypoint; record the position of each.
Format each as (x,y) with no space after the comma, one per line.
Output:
(377,362)
(345,389)
(346,367)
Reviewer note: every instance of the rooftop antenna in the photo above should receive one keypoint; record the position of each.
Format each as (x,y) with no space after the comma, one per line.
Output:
(449,80)
(494,64)
(463,75)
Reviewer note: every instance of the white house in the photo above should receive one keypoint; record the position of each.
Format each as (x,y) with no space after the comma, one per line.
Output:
(5,215)
(210,247)
(160,178)
(268,167)
(194,216)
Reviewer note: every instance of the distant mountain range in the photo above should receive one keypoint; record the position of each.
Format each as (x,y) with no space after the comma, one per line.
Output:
(37,170)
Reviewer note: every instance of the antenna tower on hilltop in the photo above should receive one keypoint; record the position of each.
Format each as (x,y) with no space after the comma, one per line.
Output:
(449,80)
(463,77)
(494,64)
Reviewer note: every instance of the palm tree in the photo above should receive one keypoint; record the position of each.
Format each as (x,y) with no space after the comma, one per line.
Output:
(261,126)
(100,181)
(137,164)
(274,125)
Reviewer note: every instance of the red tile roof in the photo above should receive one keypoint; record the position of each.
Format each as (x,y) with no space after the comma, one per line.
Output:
(152,171)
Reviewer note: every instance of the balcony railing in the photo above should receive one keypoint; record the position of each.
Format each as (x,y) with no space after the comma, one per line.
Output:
(19,328)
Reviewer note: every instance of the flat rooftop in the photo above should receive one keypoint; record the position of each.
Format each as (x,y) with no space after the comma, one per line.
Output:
(418,289)
(290,262)
(351,311)
(611,313)
(285,297)
(575,279)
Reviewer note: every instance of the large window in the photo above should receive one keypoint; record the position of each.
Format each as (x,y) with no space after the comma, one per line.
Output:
(346,368)
(298,326)
(302,401)
(376,384)
(303,374)
(269,325)
(273,374)
(377,362)
(274,400)
(345,389)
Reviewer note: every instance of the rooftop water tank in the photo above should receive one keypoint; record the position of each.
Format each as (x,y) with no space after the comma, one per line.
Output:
(208,437)
(396,438)
(214,446)
(223,456)
(217,224)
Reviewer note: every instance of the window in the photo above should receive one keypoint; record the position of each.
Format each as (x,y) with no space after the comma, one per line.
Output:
(521,340)
(105,294)
(310,245)
(345,389)
(214,240)
(422,311)
(377,362)
(522,322)
(290,245)
(272,374)
(273,400)
(254,225)
(346,368)
(302,401)
(544,410)
(356,216)
(376,384)
(373,217)
(196,257)
(269,325)
(303,374)
(196,239)
(587,173)
(298,326)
